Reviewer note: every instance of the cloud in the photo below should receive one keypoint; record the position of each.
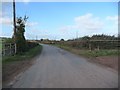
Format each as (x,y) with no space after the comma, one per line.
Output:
(40,33)
(9,21)
(85,22)
(26,1)
(88,22)
(5,20)
(1,14)
(31,24)
(113,19)
(113,22)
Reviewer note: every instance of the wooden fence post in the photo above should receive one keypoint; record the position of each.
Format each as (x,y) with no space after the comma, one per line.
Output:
(98,47)
(10,49)
(90,46)
(4,50)
(15,48)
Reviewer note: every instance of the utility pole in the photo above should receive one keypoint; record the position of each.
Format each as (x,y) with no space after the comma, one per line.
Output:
(14,21)
(14,26)
(76,34)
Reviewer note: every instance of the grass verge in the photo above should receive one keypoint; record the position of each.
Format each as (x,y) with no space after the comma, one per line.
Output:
(27,55)
(13,65)
(88,53)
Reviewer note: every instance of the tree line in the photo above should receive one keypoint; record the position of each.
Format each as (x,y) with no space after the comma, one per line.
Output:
(97,37)
(98,41)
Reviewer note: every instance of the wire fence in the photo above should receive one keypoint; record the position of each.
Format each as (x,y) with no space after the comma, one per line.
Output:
(93,44)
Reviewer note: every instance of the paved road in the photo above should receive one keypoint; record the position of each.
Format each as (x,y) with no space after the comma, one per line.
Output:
(56,68)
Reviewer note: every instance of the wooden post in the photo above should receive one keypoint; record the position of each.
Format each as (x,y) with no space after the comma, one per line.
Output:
(98,48)
(10,49)
(15,48)
(90,46)
(4,50)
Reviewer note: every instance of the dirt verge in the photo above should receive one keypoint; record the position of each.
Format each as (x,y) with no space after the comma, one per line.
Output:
(110,61)
(10,70)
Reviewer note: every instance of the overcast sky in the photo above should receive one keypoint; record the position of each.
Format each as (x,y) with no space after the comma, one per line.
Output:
(62,19)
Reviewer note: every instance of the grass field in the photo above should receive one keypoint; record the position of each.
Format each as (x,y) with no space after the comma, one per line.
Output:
(93,53)
(27,55)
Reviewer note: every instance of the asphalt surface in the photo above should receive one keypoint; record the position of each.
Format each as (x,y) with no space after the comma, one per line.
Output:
(57,68)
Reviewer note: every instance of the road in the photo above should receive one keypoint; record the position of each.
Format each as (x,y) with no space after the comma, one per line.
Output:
(57,68)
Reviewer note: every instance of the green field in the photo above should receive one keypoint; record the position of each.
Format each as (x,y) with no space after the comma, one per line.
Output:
(88,53)
(27,55)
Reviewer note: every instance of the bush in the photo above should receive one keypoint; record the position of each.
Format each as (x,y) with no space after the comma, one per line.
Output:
(31,45)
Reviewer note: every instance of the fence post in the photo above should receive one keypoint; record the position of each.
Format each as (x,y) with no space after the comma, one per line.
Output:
(10,49)
(15,48)
(4,50)
(98,48)
(89,46)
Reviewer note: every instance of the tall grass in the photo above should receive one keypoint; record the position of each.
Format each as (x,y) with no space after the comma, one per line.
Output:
(88,53)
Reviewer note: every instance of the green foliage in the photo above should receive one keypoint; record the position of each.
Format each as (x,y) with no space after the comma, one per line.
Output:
(86,38)
(62,40)
(31,45)
(26,55)
(99,37)
(7,40)
(41,40)
(20,38)
(103,37)
(95,53)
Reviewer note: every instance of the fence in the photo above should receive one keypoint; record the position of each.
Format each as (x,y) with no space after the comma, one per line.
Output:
(104,44)
(8,49)
(93,44)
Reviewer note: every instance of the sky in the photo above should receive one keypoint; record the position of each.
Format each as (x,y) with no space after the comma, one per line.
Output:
(57,20)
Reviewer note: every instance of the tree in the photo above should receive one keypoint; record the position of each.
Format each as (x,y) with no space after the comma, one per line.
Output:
(85,38)
(62,40)
(41,39)
(20,38)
